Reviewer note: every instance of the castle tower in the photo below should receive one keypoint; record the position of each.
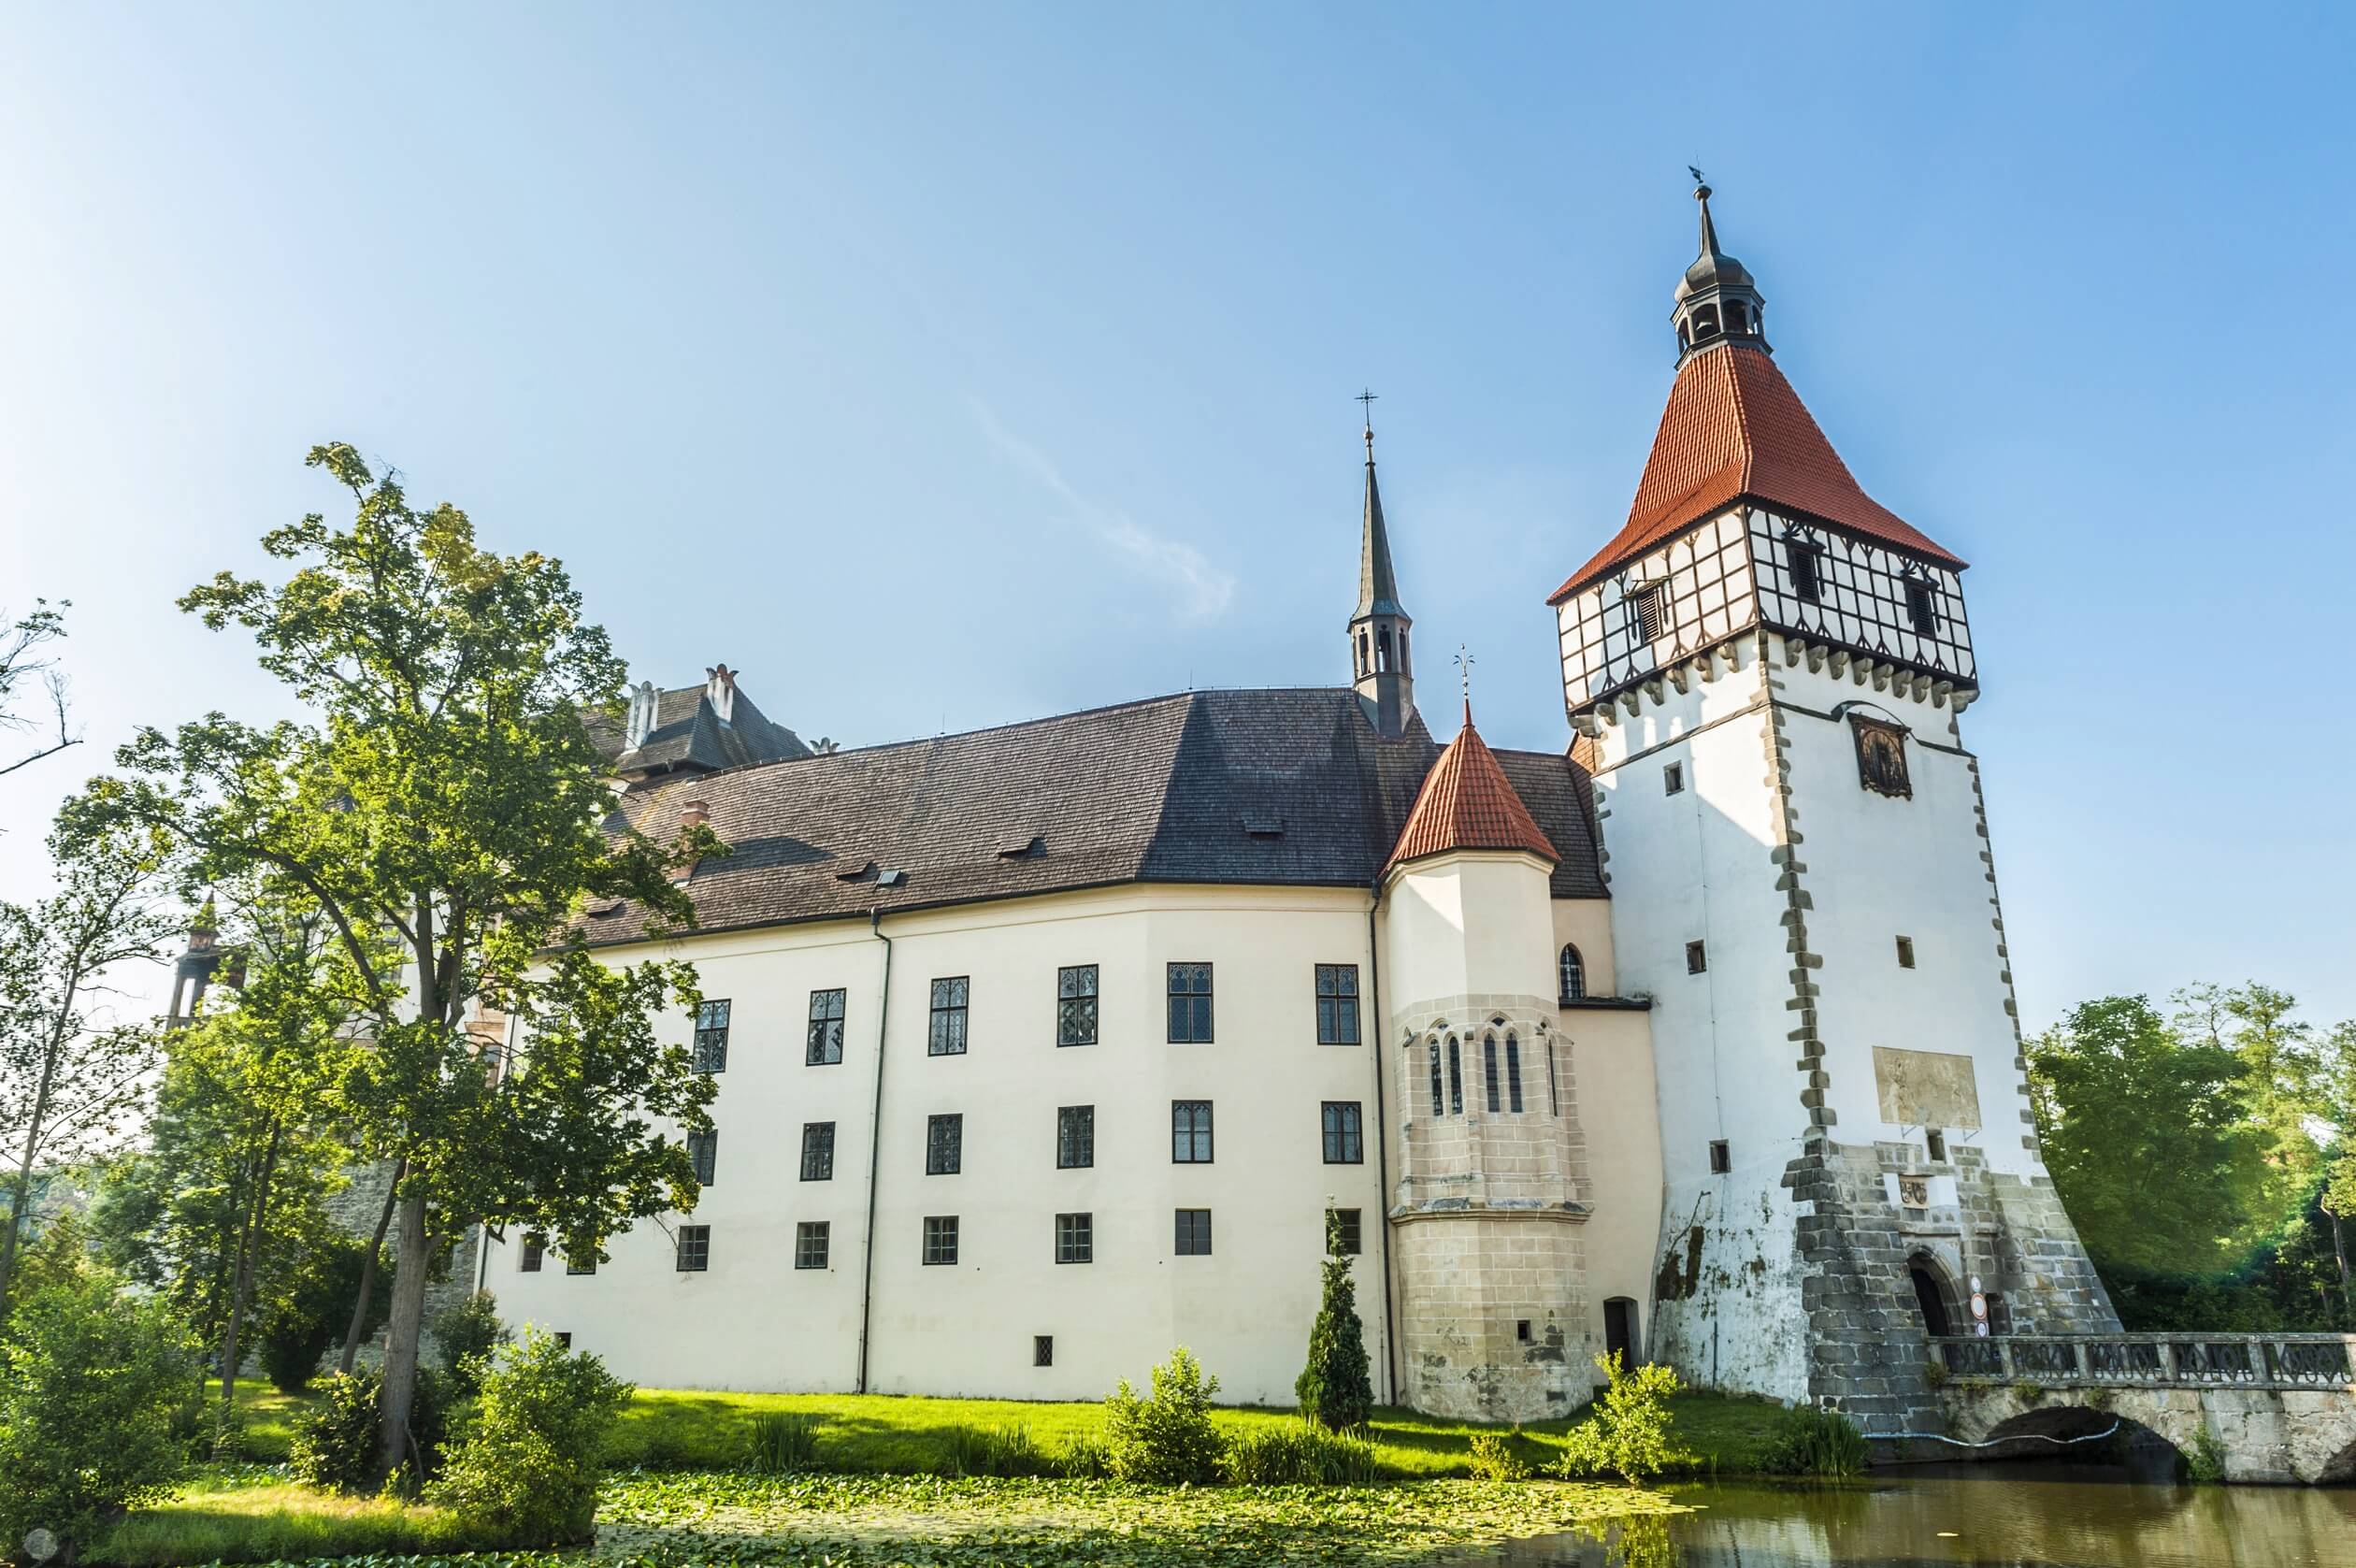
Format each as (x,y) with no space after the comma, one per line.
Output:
(194,971)
(1767,670)
(1382,670)
(1491,1194)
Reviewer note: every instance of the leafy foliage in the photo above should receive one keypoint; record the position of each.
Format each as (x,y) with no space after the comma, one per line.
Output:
(1006,1449)
(89,1377)
(1629,1435)
(1494,1459)
(336,1447)
(1336,1388)
(1813,1442)
(468,1332)
(781,1442)
(1299,1454)
(314,1311)
(1165,1437)
(527,1470)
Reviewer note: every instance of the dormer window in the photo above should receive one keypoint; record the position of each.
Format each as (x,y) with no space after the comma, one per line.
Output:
(1807,570)
(1920,611)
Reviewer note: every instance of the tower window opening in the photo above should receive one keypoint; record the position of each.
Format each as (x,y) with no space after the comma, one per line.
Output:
(1905,953)
(1521,1329)
(1382,652)
(1721,1157)
(1489,1071)
(1456,1079)
(1734,316)
(1366,659)
(1644,611)
(1438,1100)
(1554,1099)
(1673,779)
(1403,651)
(1512,1074)
(1934,1144)
(1807,576)
(1696,957)
(1573,976)
(1919,611)
(1705,323)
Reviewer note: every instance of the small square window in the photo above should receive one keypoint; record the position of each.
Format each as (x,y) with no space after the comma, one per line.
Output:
(587,1265)
(535,1249)
(1905,953)
(809,1243)
(1337,1004)
(826,1028)
(817,1164)
(1076,1005)
(1190,1133)
(1075,1137)
(1193,1232)
(1345,1132)
(947,1035)
(1043,1351)
(1696,957)
(712,1037)
(1190,1004)
(1673,779)
(1935,1141)
(944,1144)
(703,1152)
(564,1339)
(1721,1157)
(1521,1329)
(1346,1221)
(695,1248)
(940,1238)
(1075,1238)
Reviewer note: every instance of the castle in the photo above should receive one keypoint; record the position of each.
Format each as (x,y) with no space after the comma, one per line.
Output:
(1044,1048)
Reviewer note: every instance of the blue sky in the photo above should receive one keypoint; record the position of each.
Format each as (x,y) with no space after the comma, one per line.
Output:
(947,365)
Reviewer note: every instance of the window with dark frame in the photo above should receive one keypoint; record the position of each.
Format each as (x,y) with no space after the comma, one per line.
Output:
(1644,611)
(826,1028)
(1807,570)
(1346,1222)
(1673,779)
(703,1152)
(1345,1132)
(1075,1137)
(1190,1133)
(1075,1238)
(809,1243)
(1337,1004)
(944,1144)
(1193,1232)
(1696,957)
(711,1054)
(1489,1071)
(1512,1074)
(1920,611)
(1456,1079)
(1554,1099)
(946,1037)
(564,1339)
(1934,1144)
(1439,1099)
(1905,953)
(580,1265)
(695,1250)
(941,1239)
(817,1164)
(1076,1004)
(1043,1351)
(1721,1157)
(1573,975)
(535,1250)
(1190,1004)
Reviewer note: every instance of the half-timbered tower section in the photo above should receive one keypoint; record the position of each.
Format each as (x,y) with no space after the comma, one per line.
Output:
(1765,669)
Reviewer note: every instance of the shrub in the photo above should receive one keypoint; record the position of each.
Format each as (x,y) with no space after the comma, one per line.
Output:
(527,1471)
(1335,1388)
(1085,1458)
(316,1312)
(1494,1459)
(467,1332)
(1299,1454)
(336,1446)
(2205,1463)
(89,1377)
(1807,1441)
(1629,1432)
(1003,1450)
(1168,1437)
(2028,1392)
(782,1442)
(1934,1371)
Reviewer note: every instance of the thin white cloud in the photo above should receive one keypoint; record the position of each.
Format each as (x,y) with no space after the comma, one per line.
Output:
(1204,591)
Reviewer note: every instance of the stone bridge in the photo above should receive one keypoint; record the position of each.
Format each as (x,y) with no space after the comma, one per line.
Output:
(2267,1407)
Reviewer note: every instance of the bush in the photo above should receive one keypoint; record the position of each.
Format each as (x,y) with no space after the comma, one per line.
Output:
(467,1332)
(299,1330)
(2206,1464)
(1085,1458)
(1807,1441)
(1335,1388)
(1494,1459)
(527,1471)
(781,1442)
(1166,1438)
(88,1378)
(1299,1454)
(1629,1432)
(1934,1371)
(335,1447)
(1003,1450)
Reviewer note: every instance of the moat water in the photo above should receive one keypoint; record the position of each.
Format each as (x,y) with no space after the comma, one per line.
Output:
(1987,1516)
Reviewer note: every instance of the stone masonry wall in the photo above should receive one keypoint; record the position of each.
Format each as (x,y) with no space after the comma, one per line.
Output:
(356,1209)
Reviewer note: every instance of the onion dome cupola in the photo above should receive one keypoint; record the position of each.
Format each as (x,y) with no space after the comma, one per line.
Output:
(1717,300)
(1382,670)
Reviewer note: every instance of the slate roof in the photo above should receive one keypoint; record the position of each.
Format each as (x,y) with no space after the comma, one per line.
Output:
(688,734)
(1289,787)
(1734,429)
(1467,804)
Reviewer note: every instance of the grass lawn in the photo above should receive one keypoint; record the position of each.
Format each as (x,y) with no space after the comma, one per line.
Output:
(234,1517)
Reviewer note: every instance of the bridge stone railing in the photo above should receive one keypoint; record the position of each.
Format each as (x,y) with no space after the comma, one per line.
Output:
(2179,1360)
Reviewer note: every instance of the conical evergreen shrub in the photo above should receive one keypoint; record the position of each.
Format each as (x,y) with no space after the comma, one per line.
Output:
(1335,1388)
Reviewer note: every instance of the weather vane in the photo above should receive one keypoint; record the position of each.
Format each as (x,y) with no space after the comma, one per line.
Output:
(1465,673)
(1697,175)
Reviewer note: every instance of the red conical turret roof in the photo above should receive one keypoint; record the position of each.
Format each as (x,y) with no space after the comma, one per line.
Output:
(1466,803)
(1734,429)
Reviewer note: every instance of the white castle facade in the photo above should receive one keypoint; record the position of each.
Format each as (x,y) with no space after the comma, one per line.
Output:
(1043,1049)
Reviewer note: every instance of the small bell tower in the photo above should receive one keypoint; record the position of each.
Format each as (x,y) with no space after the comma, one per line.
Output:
(1382,668)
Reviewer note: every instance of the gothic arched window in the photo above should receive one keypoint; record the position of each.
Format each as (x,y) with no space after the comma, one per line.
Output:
(1554,1097)
(1489,1070)
(1512,1074)
(1439,1105)
(1382,651)
(1456,1079)
(1573,972)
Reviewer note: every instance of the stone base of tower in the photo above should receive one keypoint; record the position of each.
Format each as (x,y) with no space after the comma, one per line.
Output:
(1493,1317)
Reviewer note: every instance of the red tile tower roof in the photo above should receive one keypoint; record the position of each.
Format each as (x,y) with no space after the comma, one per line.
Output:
(1466,803)
(1734,429)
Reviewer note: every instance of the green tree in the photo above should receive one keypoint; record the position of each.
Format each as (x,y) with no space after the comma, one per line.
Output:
(528,1468)
(2285,1088)
(1631,1433)
(1336,1386)
(447,792)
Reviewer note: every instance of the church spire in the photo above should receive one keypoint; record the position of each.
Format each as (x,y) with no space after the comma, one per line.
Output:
(1379,663)
(1716,299)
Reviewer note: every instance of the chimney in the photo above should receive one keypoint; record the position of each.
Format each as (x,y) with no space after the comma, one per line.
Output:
(644,699)
(720,691)
(693,815)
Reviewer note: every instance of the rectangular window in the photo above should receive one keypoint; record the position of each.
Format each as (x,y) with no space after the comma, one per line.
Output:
(695,1248)
(1513,1072)
(1696,957)
(1043,1351)
(1935,1141)
(947,1036)
(940,1238)
(580,1265)
(1352,1241)
(1076,1005)
(535,1249)
(1673,779)
(1190,1004)
(1920,612)
(703,1151)
(826,1028)
(1721,1157)
(564,1339)
(1345,1133)
(1905,952)
(1337,1004)
(810,1244)
(1193,1232)
(1075,1238)
(1644,611)
(712,1037)
(1190,1133)
(1807,576)
(817,1151)
(1075,1137)
(1488,1070)
(944,1144)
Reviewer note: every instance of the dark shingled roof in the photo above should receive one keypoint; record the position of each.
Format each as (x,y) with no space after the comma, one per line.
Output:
(1286,788)
(688,734)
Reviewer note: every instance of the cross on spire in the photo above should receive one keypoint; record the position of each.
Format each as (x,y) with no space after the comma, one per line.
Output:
(1366,401)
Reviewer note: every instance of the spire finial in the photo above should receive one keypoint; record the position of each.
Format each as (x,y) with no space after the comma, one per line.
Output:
(1702,194)
(1366,400)
(1464,662)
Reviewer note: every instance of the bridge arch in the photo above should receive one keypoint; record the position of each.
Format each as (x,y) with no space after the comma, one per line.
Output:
(2061,1430)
